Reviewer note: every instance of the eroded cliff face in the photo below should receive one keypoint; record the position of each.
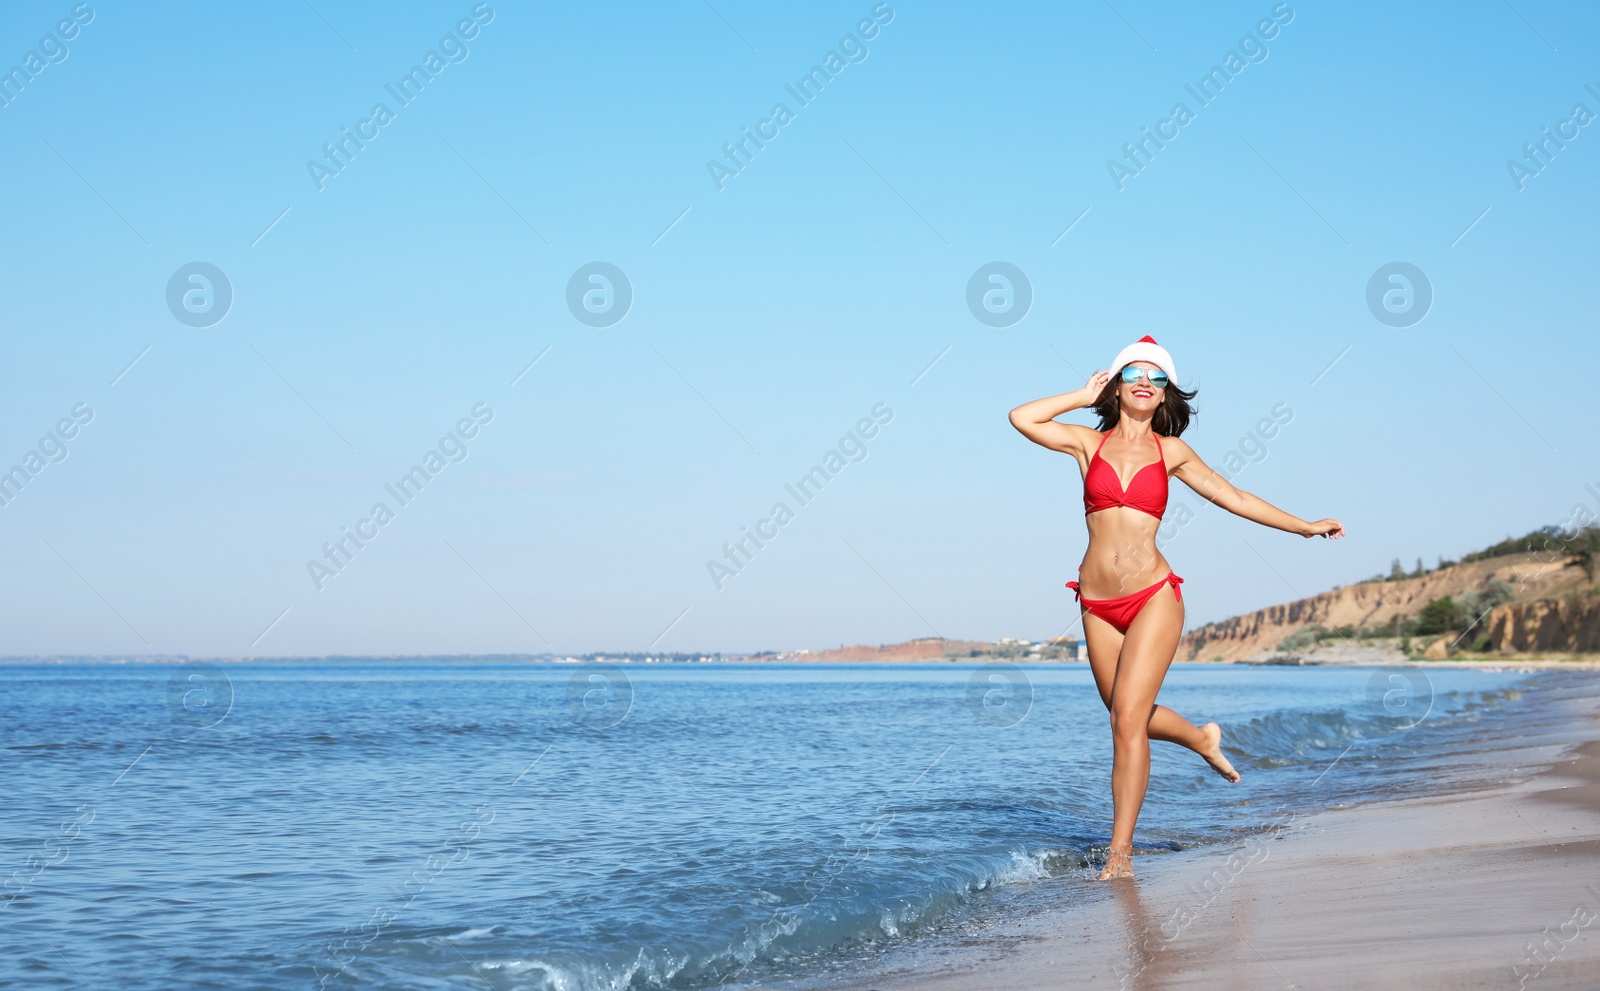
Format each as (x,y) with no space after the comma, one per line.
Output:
(1569,624)
(1541,620)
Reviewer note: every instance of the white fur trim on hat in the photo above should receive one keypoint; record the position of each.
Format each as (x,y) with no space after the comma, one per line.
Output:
(1146,349)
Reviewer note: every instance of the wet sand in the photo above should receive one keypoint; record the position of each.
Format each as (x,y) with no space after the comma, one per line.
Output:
(1495,888)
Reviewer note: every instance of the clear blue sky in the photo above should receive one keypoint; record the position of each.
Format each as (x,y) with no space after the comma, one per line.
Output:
(816,283)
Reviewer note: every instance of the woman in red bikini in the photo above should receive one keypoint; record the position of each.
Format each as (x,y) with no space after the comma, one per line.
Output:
(1133,635)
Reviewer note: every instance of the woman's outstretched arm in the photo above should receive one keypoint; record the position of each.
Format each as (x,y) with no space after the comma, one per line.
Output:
(1037,420)
(1210,483)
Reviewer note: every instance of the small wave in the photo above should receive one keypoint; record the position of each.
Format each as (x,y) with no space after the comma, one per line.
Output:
(781,939)
(1286,737)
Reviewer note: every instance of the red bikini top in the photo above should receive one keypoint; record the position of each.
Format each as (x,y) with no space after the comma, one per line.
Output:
(1146,493)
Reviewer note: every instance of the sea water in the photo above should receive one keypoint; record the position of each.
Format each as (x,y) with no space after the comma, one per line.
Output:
(581,826)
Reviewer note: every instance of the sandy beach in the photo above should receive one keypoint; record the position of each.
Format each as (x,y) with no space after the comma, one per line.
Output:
(1490,888)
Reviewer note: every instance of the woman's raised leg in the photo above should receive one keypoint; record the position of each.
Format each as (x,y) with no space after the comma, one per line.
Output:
(1147,651)
(1105,646)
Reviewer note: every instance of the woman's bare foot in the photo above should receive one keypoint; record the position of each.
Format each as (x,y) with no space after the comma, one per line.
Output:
(1212,752)
(1119,863)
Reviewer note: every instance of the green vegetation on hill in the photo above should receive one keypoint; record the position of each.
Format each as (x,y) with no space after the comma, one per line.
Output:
(1580,543)
(1583,544)
(1465,611)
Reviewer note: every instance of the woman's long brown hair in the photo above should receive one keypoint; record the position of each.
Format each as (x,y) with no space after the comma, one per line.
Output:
(1170,419)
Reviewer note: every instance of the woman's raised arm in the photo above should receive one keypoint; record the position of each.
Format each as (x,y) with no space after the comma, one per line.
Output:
(1037,420)
(1211,485)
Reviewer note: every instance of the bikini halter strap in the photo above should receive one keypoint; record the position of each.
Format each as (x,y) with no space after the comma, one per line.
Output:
(1107,435)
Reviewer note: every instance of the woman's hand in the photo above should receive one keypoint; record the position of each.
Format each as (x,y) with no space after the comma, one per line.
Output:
(1096,382)
(1332,529)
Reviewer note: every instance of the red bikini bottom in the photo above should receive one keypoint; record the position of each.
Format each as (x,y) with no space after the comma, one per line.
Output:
(1121,611)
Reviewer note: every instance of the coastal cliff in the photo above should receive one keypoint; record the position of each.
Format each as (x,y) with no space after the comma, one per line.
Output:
(1571,624)
(1555,609)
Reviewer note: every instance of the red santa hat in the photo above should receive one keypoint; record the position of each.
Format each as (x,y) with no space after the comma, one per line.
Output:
(1146,349)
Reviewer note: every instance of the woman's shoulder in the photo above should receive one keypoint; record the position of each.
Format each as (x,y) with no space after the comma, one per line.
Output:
(1175,449)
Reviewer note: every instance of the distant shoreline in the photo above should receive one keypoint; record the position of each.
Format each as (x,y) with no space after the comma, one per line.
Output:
(1529,661)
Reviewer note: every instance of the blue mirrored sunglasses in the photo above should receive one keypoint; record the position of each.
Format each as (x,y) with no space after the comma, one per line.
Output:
(1131,374)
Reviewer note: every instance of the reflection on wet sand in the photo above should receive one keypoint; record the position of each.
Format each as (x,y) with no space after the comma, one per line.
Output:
(1143,942)
(1150,934)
